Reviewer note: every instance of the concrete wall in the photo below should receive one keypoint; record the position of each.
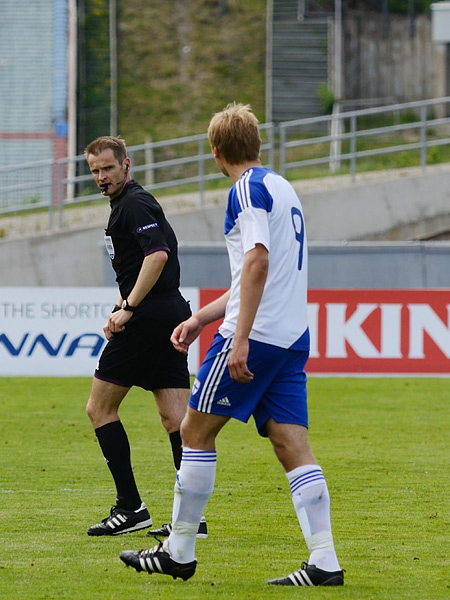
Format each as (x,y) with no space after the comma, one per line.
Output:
(367,265)
(390,63)
(411,206)
(337,218)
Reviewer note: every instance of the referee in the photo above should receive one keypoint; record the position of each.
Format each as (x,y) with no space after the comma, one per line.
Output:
(143,251)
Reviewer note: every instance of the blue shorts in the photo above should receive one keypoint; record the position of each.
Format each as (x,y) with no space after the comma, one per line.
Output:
(278,390)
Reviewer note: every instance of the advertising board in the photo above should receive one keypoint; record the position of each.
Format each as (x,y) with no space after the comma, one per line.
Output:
(47,331)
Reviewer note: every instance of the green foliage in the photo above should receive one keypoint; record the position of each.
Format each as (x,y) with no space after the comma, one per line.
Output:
(393,6)
(180,62)
(327,98)
(383,445)
(402,6)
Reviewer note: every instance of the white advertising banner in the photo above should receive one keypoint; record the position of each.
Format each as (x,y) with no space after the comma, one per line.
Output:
(58,332)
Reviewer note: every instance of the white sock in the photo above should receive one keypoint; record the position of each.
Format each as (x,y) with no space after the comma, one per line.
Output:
(312,506)
(193,488)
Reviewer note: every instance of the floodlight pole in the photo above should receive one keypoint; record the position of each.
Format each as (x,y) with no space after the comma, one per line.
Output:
(269,66)
(338,50)
(72,78)
(335,149)
(113,66)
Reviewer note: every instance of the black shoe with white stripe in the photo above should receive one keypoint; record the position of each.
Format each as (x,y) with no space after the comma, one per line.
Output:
(158,560)
(310,575)
(166,530)
(122,521)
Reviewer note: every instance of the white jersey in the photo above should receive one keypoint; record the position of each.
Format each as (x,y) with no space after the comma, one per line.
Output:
(263,208)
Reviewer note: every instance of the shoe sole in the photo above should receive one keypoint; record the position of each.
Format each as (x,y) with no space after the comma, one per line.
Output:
(137,527)
(157,535)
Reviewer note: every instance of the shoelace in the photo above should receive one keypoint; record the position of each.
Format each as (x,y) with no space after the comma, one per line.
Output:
(111,513)
(150,551)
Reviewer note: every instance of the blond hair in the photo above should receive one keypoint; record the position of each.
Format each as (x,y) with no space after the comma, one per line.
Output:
(108,142)
(234,132)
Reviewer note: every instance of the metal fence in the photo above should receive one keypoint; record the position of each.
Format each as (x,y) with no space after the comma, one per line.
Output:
(339,143)
(357,135)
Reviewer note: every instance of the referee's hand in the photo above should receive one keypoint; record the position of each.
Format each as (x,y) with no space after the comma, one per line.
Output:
(116,322)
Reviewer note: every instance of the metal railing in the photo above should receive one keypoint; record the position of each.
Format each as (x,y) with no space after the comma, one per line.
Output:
(344,137)
(337,143)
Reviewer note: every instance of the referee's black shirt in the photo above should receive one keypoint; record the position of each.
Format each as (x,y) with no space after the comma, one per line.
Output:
(136,228)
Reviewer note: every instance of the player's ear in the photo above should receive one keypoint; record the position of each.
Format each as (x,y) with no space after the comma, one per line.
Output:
(215,152)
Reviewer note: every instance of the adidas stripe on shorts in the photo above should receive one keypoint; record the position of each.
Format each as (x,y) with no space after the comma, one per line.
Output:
(277,391)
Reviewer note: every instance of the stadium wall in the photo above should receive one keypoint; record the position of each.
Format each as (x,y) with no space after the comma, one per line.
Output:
(405,207)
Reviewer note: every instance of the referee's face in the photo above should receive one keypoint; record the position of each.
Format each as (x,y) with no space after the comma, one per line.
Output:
(109,175)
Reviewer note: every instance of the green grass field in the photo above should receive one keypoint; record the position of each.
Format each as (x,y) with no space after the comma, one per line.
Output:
(383,444)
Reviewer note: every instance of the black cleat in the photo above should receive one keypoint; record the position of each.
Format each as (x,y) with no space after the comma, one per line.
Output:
(166,530)
(122,521)
(310,575)
(158,560)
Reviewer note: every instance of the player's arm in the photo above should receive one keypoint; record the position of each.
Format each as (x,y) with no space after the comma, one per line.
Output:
(253,280)
(186,332)
(150,271)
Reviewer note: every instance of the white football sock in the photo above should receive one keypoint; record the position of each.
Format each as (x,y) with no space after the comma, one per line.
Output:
(193,488)
(312,506)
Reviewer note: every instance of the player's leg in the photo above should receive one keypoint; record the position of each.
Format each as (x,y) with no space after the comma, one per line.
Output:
(130,513)
(195,480)
(172,404)
(193,488)
(312,505)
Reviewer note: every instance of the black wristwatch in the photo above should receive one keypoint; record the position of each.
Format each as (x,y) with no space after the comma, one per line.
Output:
(126,306)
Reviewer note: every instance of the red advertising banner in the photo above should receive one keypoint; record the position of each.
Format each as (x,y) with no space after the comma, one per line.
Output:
(371,331)
(207,335)
(379,331)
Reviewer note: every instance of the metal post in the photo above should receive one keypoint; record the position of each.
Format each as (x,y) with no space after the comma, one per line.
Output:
(282,151)
(113,66)
(336,123)
(72,98)
(423,137)
(271,147)
(338,50)
(353,148)
(335,146)
(269,46)
(60,167)
(52,195)
(201,171)
(149,159)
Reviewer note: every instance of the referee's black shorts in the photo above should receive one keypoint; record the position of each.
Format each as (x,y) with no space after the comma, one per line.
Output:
(143,354)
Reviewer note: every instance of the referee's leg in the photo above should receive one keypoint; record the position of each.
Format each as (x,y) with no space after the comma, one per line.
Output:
(102,409)
(172,404)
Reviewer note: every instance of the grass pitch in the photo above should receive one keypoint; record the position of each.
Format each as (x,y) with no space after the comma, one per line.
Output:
(383,444)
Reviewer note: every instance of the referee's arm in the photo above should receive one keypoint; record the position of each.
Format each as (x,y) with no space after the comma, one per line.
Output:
(150,271)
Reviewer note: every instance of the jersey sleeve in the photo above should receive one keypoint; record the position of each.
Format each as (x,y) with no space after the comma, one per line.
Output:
(249,204)
(145,225)
(254,228)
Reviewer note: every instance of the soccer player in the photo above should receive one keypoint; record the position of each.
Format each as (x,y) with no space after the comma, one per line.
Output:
(256,363)
(143,251)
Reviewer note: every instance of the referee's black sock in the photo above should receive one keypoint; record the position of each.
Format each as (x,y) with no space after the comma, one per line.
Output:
(114,443)
(175,440)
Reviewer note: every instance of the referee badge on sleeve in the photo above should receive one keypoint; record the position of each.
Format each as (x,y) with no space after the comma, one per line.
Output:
(109,246)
